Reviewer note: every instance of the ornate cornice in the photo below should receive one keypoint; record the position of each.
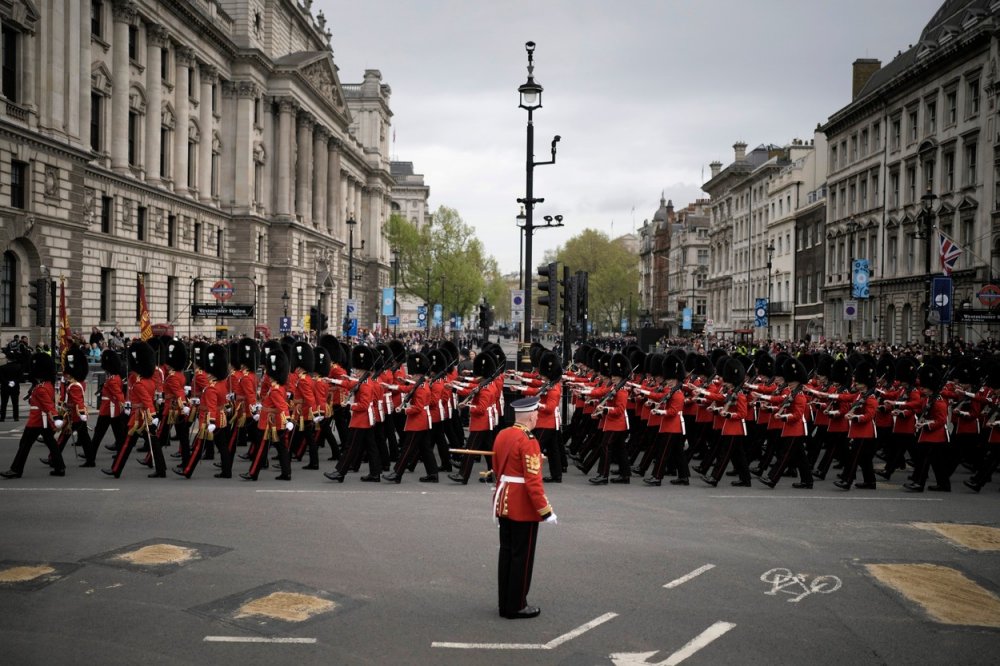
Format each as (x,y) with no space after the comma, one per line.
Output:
(184,55)
(157,35)
(209,74)
(124,11)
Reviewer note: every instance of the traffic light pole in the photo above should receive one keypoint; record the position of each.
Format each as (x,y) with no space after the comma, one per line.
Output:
(567,344)
(52,323)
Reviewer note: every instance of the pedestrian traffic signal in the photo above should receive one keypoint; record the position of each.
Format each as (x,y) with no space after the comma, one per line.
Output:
(547,290)
(38,296)
(316,321)
(324,321)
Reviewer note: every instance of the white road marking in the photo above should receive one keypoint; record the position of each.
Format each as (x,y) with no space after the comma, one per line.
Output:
(820,497)
(348,492)
(60,490)
(694,574)
(551,645)
(692,646)
(257,639)
(782,580)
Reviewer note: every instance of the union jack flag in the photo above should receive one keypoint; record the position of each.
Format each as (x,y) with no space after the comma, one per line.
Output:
(950,252)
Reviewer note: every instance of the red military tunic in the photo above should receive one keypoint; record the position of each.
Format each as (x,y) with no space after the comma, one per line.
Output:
(517,464)
(111,397)
(935,432)
(862,423)
(672,419)
(273,412)
(734,417)
(42,406)
(616,416)
(73,401)
(548,407)
(418,410)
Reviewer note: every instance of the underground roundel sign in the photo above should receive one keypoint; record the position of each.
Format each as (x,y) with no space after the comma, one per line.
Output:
(222,290)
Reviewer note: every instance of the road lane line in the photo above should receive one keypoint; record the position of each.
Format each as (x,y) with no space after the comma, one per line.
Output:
(554,643)
(694,574)
(60,490)
(583,628)
(848,499)
(698,642)
(257,639)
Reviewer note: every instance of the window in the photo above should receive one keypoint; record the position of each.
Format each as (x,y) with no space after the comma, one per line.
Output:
(910,252)
(931,117)
(164,155)
(197,236)
(214,184)
(929,176)
(107,212)
(215,98)
(133,42)
(816,285)
(970,164)
(171,298)
(894,186)
(140,224)
(171,230)
(18,184)
(218,243)
(107,293)
(703,257)
(700,307)
(949,172)
(190,75)
(256,111)
(260,247)
(133,138)
(843,153)
(165,64)
(142,278)
(833,203)
(897,129)
(864,142)
(951,107)
(833,158)
(9,67)
(892,251)
(8,289)
(854,147)
(96,116)
(96,15)
(863,193)
(912,119)
(973,106)
(876,136)
(258,182)
(192,174)
(874,190)
(968,241)
(853,206)
(911,184)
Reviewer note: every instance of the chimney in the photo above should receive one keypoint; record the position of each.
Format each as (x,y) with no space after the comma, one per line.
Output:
(716,167)
(864,69)
(740,150)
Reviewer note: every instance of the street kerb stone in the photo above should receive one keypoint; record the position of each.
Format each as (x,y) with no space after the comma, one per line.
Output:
(29,576)
(275,608)
(974,537)
(945,594)
(157,556)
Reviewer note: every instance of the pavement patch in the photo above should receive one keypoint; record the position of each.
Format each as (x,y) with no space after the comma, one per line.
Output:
(30,576)
(157,556)
(275,608)
(973,537)
(944,593)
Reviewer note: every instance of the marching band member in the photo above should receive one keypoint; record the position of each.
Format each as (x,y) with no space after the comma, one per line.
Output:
(42,418)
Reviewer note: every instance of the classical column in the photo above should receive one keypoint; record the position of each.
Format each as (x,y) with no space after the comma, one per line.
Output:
(184,59)
(283,200)
(243,151)
(124,13)
(73,82)
(303,176)
(209,76)
(156,39)
(83,71)
(319,192)
(334,199)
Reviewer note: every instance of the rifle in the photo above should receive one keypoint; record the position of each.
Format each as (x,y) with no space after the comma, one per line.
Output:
(614,390)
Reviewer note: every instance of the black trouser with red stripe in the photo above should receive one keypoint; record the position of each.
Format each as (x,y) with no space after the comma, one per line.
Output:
(416,443)
(260,459)
(792,452)
(221,435)
(515,564)
(836,443)
(479,440)
(117,425)
(28,438)
(124,451)
(551,444)
(662,444)
(360,441)
(861,452)
(613,446)
(731,448)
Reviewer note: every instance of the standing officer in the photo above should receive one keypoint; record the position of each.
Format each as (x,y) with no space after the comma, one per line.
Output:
(41,419)
(10,385)
(519,503)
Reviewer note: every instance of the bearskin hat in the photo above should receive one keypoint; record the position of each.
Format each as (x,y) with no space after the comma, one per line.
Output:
(885,369)
(302,356)
(345,356)
(654,364)
(141,359)
(156,344)
(217,362)
(484,365)
(535,353)
(363,357)
(76,365)
(321,361)
(704,366)
(496,352)
(864,373)
(580,355)
(451,348)
(690,362)
(793,370)
(398,350)
(276,364)
(198,353)
(764,364)
(233,353)
(930,376)
(992,372)
(417,363)
(854,359)
(809,361)
(636,358)
(716,354)
(619,366)
(247,354)
(43,368)
(439,360)
(732,372)
(550,367)
(840,372)
(906,370)
(824,365)
(967,372)
(175,353)
(111,363)
(673,367)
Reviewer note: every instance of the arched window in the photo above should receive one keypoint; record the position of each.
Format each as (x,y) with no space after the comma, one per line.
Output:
(8,290)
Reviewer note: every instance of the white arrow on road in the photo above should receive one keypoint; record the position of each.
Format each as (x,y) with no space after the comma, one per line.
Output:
(695,644)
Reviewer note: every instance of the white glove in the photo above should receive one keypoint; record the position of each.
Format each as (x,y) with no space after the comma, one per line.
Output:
(185,410)
(127,409)
(552,519)
(155,422)
(256,408)
(187,390)
(195,401)
(58,423)
(289,426)
(256,417)
(211,427)
(12,384)
(230,396)
(83,417)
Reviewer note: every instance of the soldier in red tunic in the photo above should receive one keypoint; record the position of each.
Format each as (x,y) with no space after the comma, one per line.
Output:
(862,431)
(519,504)
(272,418)
(41,419)
(140,407)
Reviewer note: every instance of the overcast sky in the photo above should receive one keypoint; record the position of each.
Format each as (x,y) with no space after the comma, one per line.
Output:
(644,93)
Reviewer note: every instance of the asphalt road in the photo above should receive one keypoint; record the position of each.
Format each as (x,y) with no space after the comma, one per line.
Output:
(405,574)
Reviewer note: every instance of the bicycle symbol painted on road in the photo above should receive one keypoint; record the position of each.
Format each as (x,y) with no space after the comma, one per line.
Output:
(798,585)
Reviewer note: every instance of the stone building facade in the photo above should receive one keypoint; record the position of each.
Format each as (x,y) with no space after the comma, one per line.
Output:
(186,142)
(688,261)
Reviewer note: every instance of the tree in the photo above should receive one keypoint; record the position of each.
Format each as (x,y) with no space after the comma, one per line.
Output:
(444,248)
(614,274)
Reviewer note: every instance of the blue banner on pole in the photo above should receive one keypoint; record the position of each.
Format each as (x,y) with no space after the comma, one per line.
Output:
(285,325)
(859,278)
(760,313)
(686,319)
(458,323)
(352,329)
(438,314)
(941,299)
(388,300)
(421,314)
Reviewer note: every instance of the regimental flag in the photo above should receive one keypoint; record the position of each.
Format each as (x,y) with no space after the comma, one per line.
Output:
(950,252)
(65,332)
(145,327)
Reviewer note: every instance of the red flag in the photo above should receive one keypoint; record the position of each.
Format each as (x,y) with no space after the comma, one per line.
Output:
(65,332)
(145,327)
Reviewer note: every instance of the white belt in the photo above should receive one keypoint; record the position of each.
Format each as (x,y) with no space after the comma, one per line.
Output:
(498,493)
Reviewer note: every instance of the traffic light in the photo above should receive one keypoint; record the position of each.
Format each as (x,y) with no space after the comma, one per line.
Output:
(324,321)
(313,320)
(548,296)
(483,317)
(569,298)
(582,278)
(39,300)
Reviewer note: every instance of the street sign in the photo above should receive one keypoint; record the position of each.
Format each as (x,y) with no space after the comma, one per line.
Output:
(233,311)
(686,319)
(352,308)
(388,300)
(941,298)
(438,314)
(850,310)
(977,317)
(710,326)
(760,313)
(393,321)
(989,295)
(284,324)
(222,290)
(516,306)
(421,314)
